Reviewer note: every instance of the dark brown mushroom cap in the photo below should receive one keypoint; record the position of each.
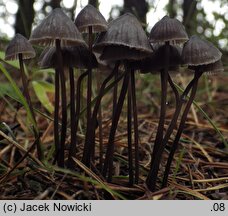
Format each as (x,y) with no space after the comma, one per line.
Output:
(115,53)
(125,31)
(90,16)
(57,25)
(19,44)
(211,69)
(156,62)
(168,29)
(197,51)
(77,56)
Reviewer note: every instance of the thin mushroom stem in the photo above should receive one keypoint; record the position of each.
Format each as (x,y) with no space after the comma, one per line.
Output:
(129,134)
(90,138)
(108,163)
(56,115)
(78,96)
(64,104)
(28,98)
(135,121)
(100,127)
(153,173)
(72,150)
(100,137)
(115,92)
(176,93)
(181,127)
(25,85)
(164,85)
(89,97)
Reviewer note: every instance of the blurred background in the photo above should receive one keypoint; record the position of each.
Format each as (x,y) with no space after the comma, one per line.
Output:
(207,18)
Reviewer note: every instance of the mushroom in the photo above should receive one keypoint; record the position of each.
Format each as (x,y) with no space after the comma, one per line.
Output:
(203,57)
(166,31)
(20,48)
(72,57)
(125,41)
(90,21)
(90,18)
(80,56)
(57,29)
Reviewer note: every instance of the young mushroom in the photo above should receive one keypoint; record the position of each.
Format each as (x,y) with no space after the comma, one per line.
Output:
(73,57)
(81,58)
(20,48)
(203,57)
(90,21)
(125,41)
(202,50)
(57,29)
(167,31)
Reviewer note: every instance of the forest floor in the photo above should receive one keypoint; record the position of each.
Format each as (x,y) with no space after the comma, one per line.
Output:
(199,169)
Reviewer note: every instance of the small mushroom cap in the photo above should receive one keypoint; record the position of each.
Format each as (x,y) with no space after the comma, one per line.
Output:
(57,25)
(19,45)
(125,31)
(211,69)
(168,29)
(77,56)
(156,62)
(90,16)
(197,51)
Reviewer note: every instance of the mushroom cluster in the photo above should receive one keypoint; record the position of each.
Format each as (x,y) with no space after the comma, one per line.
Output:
(122,46)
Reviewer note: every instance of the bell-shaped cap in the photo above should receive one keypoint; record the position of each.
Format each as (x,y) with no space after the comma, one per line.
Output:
(156,62)
(210,69)
(19,45)
(57,25)
(89,16)
(197,51)
(168,30)
(77,56)
(125,33)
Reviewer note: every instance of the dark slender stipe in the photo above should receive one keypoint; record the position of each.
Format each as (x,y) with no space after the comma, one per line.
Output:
(28,98)
(115,92)
(25,85)
(100,127)
(100,138)
(129,135)
(78,100)
(181,128)
(89,96)
(64,104)
(164,82)
(108,163)
(72,150)
(56,116)
(152,177)
(175,91)
(160,129)
(91,135)
(135,121)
